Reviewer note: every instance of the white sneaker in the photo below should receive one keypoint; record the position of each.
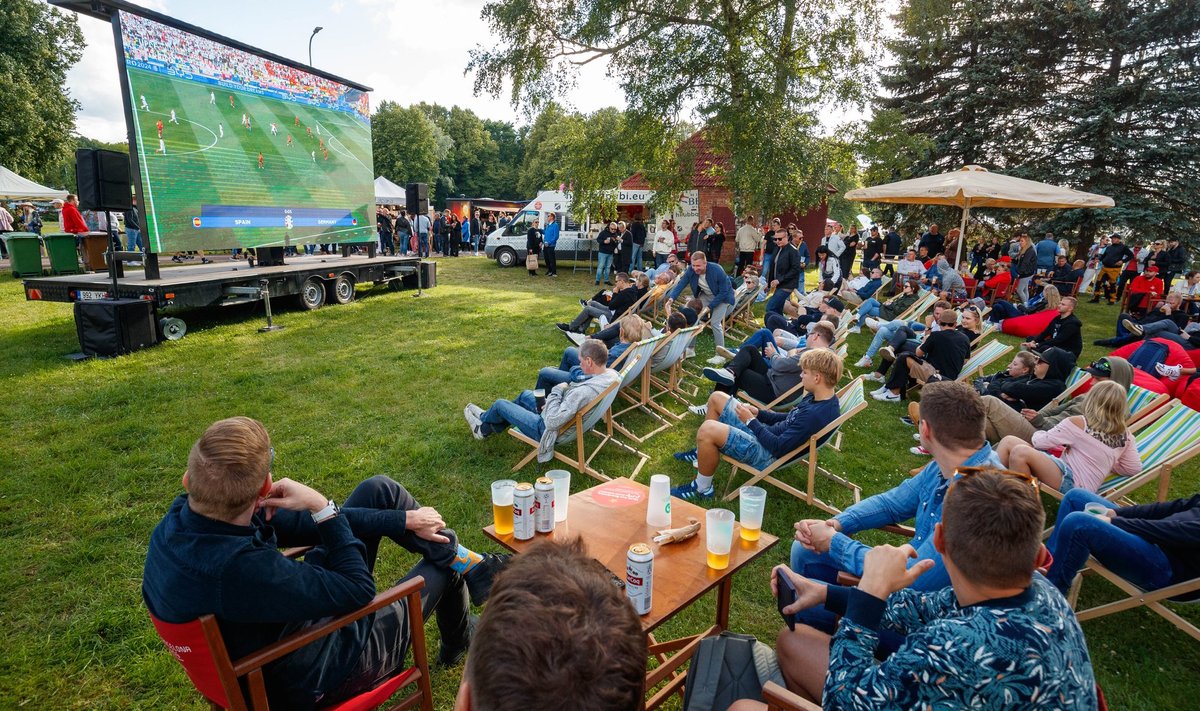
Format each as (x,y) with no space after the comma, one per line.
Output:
(887,353)
(716,360)
(878,391)
(701,410)
(855,329)
(872,323)
(1171,372)
(471,412)
(874,377)
(917,436)
(863,362)
(886,396)
(726,353)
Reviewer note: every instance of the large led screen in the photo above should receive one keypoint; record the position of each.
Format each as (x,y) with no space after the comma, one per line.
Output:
(238,150)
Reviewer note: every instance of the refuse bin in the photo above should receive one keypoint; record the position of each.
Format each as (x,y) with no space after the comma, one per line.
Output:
(64,258)
(95,244)
(25,251)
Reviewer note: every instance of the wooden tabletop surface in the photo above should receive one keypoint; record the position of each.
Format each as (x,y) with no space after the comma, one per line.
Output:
(611,517)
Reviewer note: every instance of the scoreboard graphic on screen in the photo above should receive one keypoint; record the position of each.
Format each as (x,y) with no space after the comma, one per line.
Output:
(239,150)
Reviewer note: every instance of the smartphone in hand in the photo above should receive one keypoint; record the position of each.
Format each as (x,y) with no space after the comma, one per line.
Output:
(787,596)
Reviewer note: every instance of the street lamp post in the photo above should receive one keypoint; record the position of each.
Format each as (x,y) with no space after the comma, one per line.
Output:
(310,38)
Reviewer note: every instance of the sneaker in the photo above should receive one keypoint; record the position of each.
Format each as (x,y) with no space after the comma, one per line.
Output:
(689,492)
(451,654)
(479,578)
(875,377)
(908,421)
(724,376)
(855,329)
(863,362)
(887,353)
(583,303)
(1171,372)
(726,353)
(701,410)
(688,456)
(919,451)
(886,396)
(872,323)
(555,274)
(564,327)
(879,390)
(471,413)
(1132,327)
(716,360)
(917,436)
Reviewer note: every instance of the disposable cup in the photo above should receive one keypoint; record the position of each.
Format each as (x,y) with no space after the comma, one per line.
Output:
(719,537)
(502,505)
(752,500)
(1098,510)
(562,492)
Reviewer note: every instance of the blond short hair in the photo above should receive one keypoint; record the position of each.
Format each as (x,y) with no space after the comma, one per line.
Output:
(227,467)
(823,362)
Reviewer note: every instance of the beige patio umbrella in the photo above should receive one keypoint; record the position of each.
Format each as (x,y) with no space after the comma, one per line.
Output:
(974,186)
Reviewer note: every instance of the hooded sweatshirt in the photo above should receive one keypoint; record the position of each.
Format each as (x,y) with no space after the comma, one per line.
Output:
(1051,415)
(952,281)
(1036,393)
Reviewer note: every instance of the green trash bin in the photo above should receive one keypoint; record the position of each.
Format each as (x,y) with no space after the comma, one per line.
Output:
(64,258)
(25,251)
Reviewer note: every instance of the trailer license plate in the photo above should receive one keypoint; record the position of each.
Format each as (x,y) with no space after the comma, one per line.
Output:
(82,295)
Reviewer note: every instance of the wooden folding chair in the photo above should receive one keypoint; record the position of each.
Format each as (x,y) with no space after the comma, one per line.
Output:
(199,647)
(1185,592)
(984,356)
(918,307)
(1075,381)
(739,322)
(851,400)
(585,421)
(778,698)
(669,352)
(1165,439)
(1143,402)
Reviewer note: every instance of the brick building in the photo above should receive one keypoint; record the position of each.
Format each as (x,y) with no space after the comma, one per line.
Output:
(716,201)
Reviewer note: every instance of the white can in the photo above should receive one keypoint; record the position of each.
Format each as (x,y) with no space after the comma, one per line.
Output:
(639,577)
(543,504)
(523,512)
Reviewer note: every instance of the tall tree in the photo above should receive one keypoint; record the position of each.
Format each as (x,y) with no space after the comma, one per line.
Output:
(407,145)
(755,72)
(472,152)
(548,146)
(500,180)
(38,44)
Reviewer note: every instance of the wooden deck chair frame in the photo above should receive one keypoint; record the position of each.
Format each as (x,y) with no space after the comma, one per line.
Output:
(1079,377)
(808,452)
(918,307)
(673,346)
(778,698)
(788,399)
(575,431)
(1151,599)
(739,322)
(1144,402)
(987,354)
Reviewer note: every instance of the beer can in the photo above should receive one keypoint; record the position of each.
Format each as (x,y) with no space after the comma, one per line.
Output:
(639,577)
(543,504)
(523,515)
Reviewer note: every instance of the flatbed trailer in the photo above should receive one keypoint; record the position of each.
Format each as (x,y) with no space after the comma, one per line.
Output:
(314,279)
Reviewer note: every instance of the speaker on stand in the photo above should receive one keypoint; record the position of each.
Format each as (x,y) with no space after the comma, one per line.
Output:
(416,201)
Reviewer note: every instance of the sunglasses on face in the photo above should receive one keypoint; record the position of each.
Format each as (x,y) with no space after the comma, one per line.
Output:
(968,472)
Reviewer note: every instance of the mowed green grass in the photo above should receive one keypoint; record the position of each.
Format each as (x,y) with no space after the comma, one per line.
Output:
(212,159)
(94,452)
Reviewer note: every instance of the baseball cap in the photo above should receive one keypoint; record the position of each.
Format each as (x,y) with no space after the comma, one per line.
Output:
(1100,368)
(949,317)
(1151,268)
(835,304)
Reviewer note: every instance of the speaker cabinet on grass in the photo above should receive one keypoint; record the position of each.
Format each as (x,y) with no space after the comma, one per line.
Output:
(111,327)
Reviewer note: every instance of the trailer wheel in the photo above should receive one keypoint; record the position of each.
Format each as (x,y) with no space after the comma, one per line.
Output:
(341,290)
(312,294)
(506,257)
(172,329)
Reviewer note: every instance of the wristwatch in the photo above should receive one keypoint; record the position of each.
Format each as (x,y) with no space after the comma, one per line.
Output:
(331,509)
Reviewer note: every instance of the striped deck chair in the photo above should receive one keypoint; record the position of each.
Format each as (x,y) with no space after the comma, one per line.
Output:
(1165,439)
(851,400)
(919,307)
(672,347)
(988,329)
(1143,402)
(1076,380)
(666,379)
(739,322)
(1187,591)
(585,421)
(981,358)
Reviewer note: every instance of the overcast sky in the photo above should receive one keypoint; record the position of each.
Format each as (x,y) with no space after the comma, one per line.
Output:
(406,50)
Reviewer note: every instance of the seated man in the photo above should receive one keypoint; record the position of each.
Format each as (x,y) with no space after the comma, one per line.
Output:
(1065,331)
(562,403)
(1168,315)
(216,552)
(910,268)
(999,637)
(1000,282)
(590,655)
(769,373)
(1065,276)
(671,268)
(887,311)
(1002,420)
(1152,545)
(799,326)
(759,437)
(1144,288)
(944,351)
(862,287)
(609,305)
(951,428)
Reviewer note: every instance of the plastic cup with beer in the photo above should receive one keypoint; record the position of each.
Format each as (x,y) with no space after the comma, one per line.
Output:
(752,500)
(1097,510)
(502,506)
(719,524)
(562,492)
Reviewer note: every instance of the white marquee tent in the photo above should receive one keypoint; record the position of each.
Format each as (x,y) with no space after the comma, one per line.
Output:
(14,187)
(387,192)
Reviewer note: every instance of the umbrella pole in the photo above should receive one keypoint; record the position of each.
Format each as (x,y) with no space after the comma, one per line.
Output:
(962,235)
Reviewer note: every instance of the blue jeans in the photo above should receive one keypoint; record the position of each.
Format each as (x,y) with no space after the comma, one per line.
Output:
(474,243)
(760,338)
(635,261)
(741,443)
(603,265)
(522,414)
(570,358)
(1078,534)
(423,244)
(549,377)
(403,239)
(778,299)
(870,307)
(1001,310)
(135,239)
(660,259)
(1155,328)
(766,265)
(884,334)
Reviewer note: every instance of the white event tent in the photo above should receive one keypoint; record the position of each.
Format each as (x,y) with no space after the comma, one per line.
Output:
(14,187)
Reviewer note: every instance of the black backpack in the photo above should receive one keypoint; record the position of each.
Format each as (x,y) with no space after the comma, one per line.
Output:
(726,668)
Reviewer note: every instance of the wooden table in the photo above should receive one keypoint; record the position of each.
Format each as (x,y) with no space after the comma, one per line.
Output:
(610,518)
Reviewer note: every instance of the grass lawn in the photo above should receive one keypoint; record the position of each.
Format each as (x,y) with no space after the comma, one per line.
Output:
(94,452)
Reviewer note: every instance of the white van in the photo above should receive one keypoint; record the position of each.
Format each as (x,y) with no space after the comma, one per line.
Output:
(507,244)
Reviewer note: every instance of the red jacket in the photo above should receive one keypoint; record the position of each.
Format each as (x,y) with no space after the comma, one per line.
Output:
(1001,280)
(1142,285)
(71,220)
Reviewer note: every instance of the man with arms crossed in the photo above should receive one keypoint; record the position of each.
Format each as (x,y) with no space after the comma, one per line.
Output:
(1000,637)
(217,552)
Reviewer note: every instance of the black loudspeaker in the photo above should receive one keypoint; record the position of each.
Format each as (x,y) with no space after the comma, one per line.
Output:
(110,327)
(416,198)
(269,256)
(102,180)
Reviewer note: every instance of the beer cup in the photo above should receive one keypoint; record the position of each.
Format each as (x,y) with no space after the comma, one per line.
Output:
(562,492)
(752,500)
(719,536)
(502,506)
